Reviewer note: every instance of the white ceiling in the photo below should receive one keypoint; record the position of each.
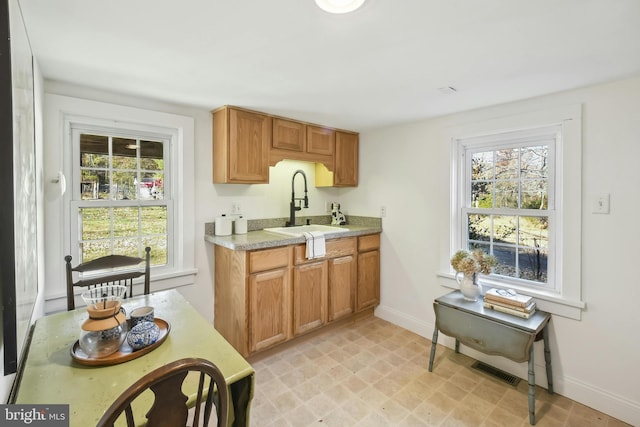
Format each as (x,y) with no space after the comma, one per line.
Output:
(380,65)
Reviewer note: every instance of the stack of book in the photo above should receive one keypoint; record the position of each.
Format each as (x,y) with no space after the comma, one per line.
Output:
(508,301)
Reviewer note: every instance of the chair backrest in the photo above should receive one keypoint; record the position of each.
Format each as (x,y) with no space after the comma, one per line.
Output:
(169,407)
(108,263)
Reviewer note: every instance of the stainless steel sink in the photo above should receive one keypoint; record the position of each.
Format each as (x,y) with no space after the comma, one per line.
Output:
(299,230)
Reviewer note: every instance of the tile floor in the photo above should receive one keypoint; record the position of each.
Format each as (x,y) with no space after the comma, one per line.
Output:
(372,373)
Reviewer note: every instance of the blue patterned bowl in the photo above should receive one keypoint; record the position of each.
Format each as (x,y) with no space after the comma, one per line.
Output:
(142,335)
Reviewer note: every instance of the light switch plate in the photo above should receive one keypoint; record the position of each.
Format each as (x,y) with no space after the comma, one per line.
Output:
(601,203)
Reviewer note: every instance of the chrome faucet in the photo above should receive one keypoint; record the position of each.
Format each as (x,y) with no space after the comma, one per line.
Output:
(292,206)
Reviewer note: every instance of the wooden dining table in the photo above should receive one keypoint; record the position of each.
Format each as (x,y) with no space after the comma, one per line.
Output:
(50,374)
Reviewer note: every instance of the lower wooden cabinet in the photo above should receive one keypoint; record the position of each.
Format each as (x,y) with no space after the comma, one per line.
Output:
(269,296)
(270,305)
(309,296)
(342,286)
(368,271)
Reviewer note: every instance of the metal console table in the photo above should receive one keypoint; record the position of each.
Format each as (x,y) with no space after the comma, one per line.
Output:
(493,332)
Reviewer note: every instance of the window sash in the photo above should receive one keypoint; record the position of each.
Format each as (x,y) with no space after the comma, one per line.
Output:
(76,202)
(467,147)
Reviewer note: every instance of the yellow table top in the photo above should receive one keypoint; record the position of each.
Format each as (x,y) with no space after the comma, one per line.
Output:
(51,375)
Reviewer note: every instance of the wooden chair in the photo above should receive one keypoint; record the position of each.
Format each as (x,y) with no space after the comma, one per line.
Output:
(169,408)
(112,277)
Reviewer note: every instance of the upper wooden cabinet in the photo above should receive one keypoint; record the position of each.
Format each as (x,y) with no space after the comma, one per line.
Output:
(295,140)
(321,140)
(346,160)
(246,143)
(345,168)
(288,135)
(241,141)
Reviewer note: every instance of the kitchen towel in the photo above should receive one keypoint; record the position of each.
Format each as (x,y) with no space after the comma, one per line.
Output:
(315,244)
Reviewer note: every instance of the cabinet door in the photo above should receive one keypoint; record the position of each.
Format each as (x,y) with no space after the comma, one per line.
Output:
(320,140)
(368,293)
(288,135)
(269,299)
(309,297)
(342,286)
(346,160)
(249,140)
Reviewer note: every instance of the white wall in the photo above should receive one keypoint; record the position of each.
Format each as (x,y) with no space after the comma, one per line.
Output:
(406,168)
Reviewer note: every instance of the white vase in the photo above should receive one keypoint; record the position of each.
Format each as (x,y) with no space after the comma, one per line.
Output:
(469,285)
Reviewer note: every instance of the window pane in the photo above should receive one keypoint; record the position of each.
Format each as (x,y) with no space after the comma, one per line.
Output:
(94,184)
(94,151)
(534,231)
(507,163)
(154,220)
(93,250)
(505,229)
(482,166)
(534,194)
(124,187)
(533,264)
(152,186)
(126,246)
(152,166)
(481,194)
(506,194)
(152,150)
(158,245)
(486,247)
(479,227)
(506,256)
(95,223)
(125,222)
(124,153)
(533,163)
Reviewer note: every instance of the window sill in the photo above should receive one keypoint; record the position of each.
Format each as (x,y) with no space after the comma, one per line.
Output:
(550,302)
(159,282)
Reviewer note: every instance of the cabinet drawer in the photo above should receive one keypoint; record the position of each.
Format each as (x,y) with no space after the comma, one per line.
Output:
(268,259)
(334,248)
(484,335)
(368,243)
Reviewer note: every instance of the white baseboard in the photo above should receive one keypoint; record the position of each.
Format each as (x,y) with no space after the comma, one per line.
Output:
(572,388)
(602,400)
(409,323)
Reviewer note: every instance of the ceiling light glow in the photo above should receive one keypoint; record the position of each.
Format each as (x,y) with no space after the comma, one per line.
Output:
(339,6)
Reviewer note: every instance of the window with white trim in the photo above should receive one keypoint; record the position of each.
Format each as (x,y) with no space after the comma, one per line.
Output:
(121,194)
(507,203)
(518,193)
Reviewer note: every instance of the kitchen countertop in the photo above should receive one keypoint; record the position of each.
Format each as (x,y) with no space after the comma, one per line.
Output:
(260,239)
